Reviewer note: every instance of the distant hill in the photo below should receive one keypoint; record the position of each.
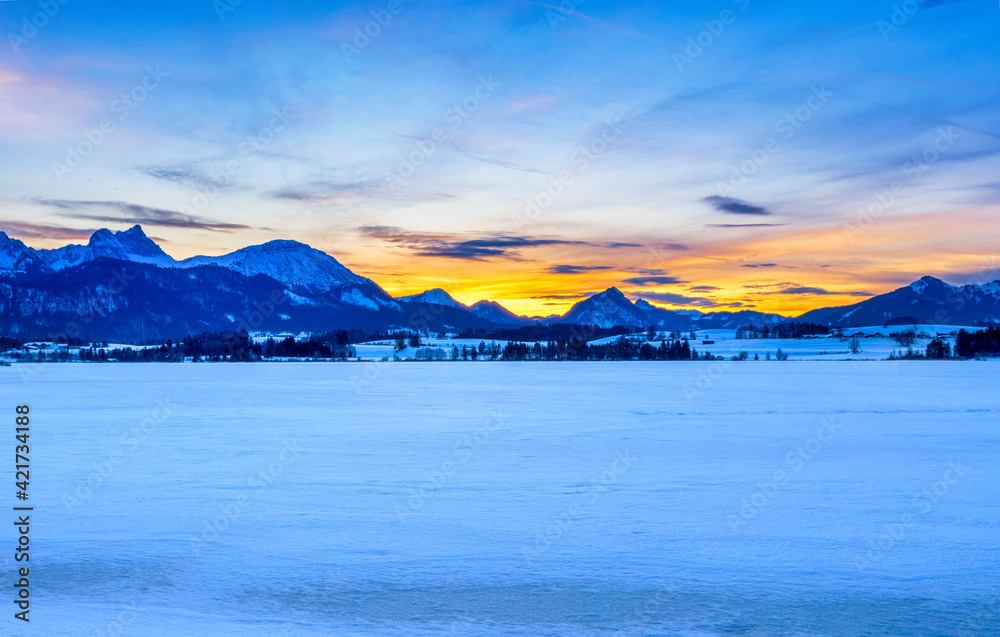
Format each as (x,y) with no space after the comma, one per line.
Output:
(928,300)
(123,286)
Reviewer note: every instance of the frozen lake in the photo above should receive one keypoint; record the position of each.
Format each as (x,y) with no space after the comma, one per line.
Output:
(806,499)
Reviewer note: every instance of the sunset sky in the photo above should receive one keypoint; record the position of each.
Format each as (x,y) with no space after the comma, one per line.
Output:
(706,155)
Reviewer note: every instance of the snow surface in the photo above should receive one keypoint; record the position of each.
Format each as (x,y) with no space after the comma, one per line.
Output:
(289,262)
(128,245)
(512,499)
(15,257)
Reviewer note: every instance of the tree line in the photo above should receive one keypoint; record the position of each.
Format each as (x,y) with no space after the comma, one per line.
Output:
(792,329)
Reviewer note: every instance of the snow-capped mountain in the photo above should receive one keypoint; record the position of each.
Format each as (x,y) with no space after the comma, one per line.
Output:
(295,264)
(17,258)
(42,291)
(437,296)
(928,300)
(496,313)
(110,299)
(129,245)
(661,318)
(301,269)
(607,309)
(735,320)
(611,308)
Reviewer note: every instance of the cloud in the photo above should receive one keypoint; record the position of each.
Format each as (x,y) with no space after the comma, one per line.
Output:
(617,244)
(680,299)
(476,249)
(673,246)
(653,280)
(937,3)
(40,231)
(576,269)
(183,175)
(567,297)
(331,192)
(535,104)
(816,292)
(592,20)
(760,265)
(130,213)
(746,225)
(703,288)
(735,206)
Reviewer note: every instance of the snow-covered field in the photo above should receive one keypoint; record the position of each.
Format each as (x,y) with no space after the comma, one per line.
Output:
(309,499)
(876,343)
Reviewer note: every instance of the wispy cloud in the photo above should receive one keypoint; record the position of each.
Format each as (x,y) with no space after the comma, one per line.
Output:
(573,12)
(566,297)
(130,213)
(746,225)
(470,249)
(576,269)
(735,206)
(815,292)
(41,231)
(653,280)
(184,175)
(680,299)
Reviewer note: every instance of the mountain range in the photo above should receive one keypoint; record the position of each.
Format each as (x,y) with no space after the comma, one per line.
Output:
(123,286)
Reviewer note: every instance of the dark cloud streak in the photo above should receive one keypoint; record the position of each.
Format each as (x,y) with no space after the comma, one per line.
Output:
(131,213)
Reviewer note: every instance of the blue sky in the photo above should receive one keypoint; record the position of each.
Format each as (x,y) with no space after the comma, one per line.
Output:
(524,151)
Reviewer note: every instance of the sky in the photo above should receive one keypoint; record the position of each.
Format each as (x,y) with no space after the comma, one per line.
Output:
(719,155)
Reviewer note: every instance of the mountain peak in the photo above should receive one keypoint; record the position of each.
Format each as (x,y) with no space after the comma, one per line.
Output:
(612,292)
(135,231)
(643,304)
(926,282)
(299,266)
(285,244)
(15,257)
(437,296)
(125,245)
(493,311)
(101,237)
